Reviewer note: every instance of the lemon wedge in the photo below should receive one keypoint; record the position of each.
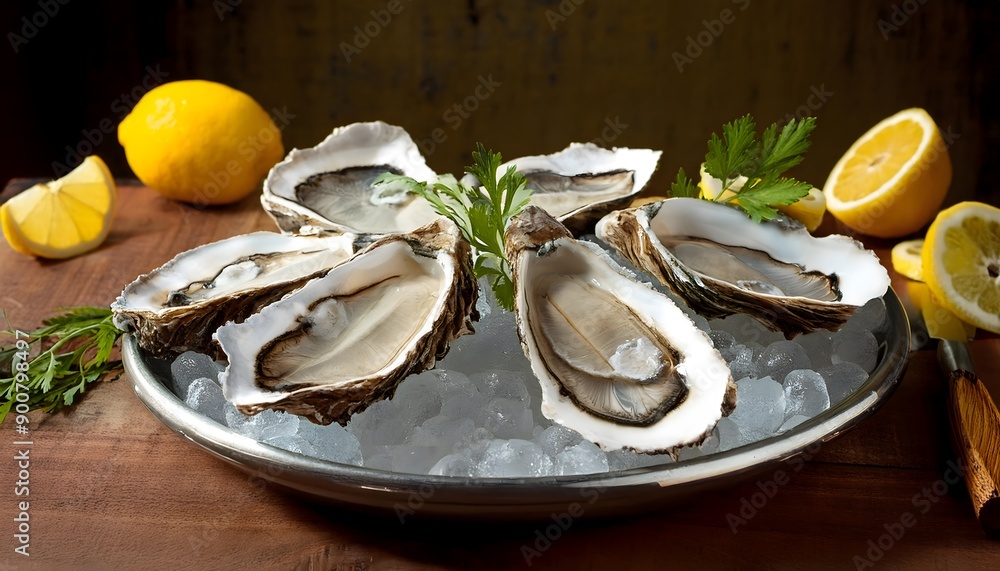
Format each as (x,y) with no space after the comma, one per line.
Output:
(893,179)
(906,259)
(808,210)
(65,217)
(961,262)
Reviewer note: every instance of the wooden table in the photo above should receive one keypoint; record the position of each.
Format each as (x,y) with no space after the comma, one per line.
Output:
(112,488)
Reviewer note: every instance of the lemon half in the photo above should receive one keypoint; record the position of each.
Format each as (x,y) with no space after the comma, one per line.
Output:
(961,262)
(893,179)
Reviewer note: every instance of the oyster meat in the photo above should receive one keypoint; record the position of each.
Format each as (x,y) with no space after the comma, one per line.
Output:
(721,262)
(178,306)
(617,361)
(348,338)
(329,186)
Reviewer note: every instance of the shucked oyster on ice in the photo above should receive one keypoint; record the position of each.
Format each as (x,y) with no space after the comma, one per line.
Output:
(178,306)
(721,262)
(583,182)
(329,186)
(617,361)
(348,338)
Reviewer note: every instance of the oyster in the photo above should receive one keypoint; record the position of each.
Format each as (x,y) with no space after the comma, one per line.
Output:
(583,182)
(178,306)
(721,262)
(617,361)
(330,185)
(348,338)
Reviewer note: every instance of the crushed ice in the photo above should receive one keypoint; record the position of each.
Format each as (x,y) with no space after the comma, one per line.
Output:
(477,414)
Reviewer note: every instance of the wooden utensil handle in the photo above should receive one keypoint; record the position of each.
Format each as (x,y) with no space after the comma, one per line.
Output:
(976,431)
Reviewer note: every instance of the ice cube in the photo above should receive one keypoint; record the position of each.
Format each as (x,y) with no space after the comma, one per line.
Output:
(514,459)
(333,442)
(293,443)
(205,396)
(266,423)
(730,435)
(708,446)
(818,346)
(869,317)
(746,329)
(792,422)
(805,394)
(507,418)
(843,379)
(637,359)
(462,463)
(760,408)
(556,438)
(377,425)
(741,362)
(505,384)
(780,358)
(619,460)
(189,366)
(583,458)
(722,340)
(860,348)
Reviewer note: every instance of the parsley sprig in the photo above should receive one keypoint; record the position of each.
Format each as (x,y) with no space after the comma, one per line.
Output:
(482,214)
(740,153)
(76,348)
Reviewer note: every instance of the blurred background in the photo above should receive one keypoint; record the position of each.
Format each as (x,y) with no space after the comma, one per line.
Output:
(522,76)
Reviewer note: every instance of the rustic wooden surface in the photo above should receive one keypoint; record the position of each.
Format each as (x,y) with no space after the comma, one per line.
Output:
(112,488)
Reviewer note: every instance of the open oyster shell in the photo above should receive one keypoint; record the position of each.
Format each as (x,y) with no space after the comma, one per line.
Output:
(721,262)
(329,186)
(348,338)
(178,306)
(583,182)
(617,361)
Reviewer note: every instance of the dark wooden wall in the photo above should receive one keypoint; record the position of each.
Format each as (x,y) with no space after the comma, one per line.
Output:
(561,71)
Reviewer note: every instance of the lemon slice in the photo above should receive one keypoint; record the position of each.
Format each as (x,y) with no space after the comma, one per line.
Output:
(941,323)
(892,180)
(961,261)
(808,210)
(906,259)
(65,217)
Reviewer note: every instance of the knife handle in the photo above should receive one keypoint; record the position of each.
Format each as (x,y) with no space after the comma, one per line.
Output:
(975,425)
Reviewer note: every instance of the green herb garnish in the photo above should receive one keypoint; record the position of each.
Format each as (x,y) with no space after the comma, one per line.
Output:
(740,153)
(481,214)
(77,346)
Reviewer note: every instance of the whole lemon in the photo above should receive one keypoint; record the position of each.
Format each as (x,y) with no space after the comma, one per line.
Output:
(200,142)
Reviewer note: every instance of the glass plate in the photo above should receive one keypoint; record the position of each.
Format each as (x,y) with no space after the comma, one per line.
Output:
(606,494)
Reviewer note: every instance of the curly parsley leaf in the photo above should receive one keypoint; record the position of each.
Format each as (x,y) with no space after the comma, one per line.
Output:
(75,351)
(751,167)
(482,214)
